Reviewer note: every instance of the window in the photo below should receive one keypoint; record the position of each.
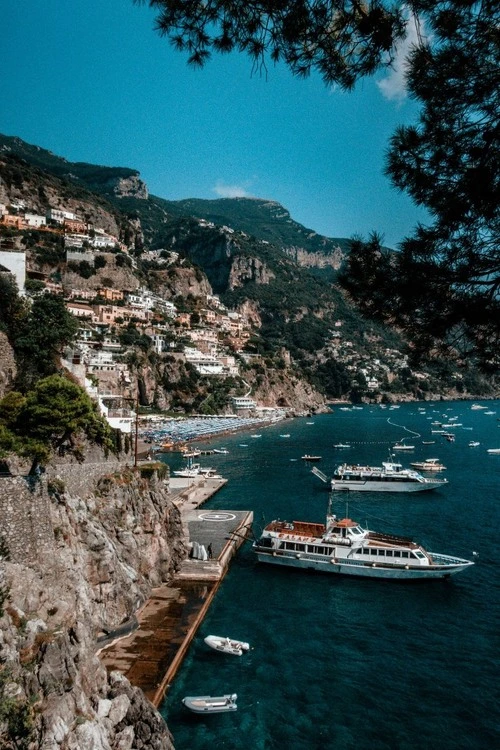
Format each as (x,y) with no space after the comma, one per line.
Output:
(405,554)
(397,553)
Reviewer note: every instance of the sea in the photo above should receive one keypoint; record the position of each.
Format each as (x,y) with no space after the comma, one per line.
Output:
(339,663)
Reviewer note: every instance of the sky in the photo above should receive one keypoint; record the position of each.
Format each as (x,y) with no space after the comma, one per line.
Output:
(92,81)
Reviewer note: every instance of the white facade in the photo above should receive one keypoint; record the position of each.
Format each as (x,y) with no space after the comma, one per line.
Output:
(16,264)
(59,215)
(34,220)
(243,402)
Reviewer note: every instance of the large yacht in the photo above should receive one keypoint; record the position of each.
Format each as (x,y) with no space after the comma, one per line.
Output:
(389,477)
(344,547)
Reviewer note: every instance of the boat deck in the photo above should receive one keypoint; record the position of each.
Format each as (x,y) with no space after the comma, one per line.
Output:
(297,528)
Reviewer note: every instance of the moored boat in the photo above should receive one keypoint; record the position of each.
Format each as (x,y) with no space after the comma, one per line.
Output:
(208,704)
(430,464)
(402,446)
(227,645)
(389,477)
(342,546)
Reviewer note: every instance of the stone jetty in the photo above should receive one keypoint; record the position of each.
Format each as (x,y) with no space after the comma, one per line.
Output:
(165,626)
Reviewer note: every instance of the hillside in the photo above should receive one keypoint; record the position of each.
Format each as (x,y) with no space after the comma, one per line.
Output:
(298,332)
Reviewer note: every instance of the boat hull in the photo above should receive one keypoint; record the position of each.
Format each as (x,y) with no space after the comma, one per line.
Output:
(383,486)
(207,704)
(227,646)
(444,569)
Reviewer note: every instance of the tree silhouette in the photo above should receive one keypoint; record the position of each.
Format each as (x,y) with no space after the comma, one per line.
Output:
(444,284)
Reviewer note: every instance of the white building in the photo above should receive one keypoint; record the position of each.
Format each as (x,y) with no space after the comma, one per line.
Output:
(243,402)
(59,215)
(15,263)
(34,220)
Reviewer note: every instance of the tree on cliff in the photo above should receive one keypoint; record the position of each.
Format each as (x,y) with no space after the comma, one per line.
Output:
(40,339)
(37,333)
(49,419)
(449,162)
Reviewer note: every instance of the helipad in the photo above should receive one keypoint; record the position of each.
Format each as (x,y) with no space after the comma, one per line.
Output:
(216,516)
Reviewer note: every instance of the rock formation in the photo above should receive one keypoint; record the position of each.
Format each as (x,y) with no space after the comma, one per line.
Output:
(109,534)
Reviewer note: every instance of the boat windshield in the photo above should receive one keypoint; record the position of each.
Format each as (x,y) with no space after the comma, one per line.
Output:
(356,531)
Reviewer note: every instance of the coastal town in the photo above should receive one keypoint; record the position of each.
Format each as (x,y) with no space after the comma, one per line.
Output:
(209,338)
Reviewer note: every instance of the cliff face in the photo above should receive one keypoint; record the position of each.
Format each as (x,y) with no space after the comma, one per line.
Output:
(7,365)
(109,538)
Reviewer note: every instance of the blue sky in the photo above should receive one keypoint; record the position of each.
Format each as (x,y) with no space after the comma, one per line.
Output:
(92,81)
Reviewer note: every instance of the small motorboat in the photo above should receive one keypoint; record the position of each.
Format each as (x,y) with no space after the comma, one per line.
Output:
(430,464)
(473,443)
(308,457)
(227,645)
(401,446)
(341,445)
(208,704)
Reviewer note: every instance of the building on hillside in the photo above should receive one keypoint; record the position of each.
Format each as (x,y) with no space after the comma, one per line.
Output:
(34,220)
(111,295)
(59,215)
(75,226)
(103,241)
(13,221)
(117,412)
(243,403)
(88,294)
(52,287)
(79,309)
(205,364)
(75,240)
(229,364)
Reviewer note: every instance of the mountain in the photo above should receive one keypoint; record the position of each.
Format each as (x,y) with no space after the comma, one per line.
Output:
(276,274)
(263,219)
(107,180)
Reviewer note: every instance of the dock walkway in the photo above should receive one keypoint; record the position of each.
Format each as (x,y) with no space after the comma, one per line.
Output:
(150,656)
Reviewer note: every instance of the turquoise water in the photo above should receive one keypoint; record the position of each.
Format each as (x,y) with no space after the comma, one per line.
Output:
(349,663)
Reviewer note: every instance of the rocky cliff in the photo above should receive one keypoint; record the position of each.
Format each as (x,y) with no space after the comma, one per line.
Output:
(110,534)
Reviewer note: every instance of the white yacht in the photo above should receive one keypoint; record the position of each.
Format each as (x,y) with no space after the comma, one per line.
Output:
(430,464)
(344,547)
(389,477)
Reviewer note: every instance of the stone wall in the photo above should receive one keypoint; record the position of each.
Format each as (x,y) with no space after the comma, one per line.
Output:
(7,365)
(25,520)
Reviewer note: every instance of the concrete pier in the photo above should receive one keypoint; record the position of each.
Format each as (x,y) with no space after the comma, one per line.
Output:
(150,656)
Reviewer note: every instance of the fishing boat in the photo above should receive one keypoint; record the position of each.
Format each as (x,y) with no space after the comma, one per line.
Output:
(430,464)
(308,457)
(389,477)
(227,645)
(342,546)
(401,446)
(208,704)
